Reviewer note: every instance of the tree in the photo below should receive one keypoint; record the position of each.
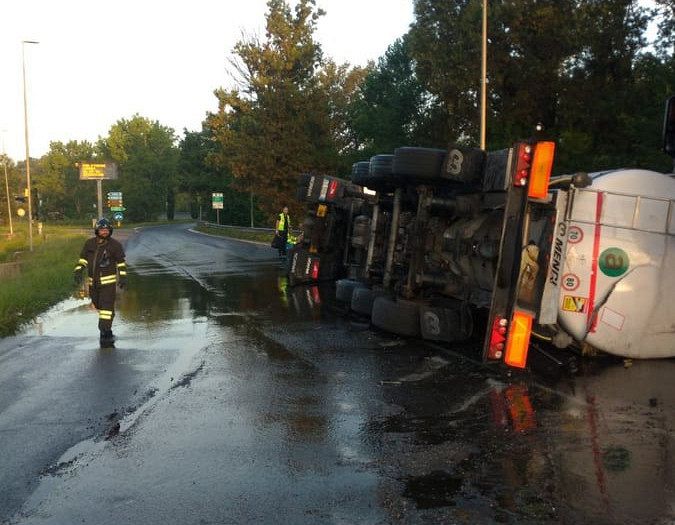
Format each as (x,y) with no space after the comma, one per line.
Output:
(57,180)
(147,157)
(391,107)
(276,125)
(528,45)
(13,183)
(341,85)
(583,79)
(199,177)
(599,112)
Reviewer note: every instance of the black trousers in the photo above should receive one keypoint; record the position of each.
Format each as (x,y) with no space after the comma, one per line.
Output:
(103,297)
(284,237)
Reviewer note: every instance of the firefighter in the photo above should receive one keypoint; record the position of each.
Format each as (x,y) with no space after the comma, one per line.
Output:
(281,230)
(103,259)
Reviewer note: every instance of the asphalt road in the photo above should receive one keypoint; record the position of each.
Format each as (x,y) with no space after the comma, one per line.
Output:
(232,398)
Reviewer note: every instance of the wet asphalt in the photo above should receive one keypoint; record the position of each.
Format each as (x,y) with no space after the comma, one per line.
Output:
(233,398)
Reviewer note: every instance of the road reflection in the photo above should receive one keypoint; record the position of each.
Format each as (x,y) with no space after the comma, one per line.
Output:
(615,443)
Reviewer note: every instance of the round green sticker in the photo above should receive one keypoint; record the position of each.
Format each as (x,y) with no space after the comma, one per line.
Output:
(614,262)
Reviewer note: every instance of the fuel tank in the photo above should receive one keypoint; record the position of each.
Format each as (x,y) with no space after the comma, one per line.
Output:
(618,280)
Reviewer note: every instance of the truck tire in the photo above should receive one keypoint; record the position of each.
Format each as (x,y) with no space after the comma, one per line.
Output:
(361,168)
(363,299)
(398,317)
(374,174)
(344,288)
(448,323)
(464,165)
(418,164)
(381,165)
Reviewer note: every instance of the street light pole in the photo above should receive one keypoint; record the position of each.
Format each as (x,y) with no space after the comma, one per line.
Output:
(9,205)
(25,122)
(483,97)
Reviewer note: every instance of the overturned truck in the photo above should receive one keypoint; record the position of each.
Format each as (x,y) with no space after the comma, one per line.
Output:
(447,237)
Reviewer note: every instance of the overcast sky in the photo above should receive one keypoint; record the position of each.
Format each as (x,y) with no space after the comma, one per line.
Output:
(100,61)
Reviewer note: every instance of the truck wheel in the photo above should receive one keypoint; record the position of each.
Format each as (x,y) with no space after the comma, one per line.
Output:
(381,165)
(398,317)
(378,175)
(360,168)
(447,323)
(344,288)
(363,299)
(418,164)
(463,165)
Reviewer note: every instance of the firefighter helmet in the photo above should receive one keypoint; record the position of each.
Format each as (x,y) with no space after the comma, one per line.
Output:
(105,224)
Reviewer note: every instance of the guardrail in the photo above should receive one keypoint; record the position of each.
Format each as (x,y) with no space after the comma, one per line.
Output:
(225,226)
(242,228)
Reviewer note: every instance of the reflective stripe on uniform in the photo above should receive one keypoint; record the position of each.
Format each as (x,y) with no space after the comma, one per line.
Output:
(77,268)
(105,314)
(120,265)
(283,223)
(83,262)
(122,272)
(108,279)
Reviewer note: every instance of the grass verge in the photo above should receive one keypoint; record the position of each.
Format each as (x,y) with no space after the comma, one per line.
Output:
(46,278)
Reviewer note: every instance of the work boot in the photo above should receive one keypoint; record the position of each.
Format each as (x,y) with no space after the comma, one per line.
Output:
(107,339)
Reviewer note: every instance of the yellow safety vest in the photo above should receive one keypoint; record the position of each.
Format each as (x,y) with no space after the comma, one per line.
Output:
(282,223)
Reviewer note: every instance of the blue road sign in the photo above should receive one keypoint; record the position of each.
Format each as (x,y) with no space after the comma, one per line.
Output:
(118,216)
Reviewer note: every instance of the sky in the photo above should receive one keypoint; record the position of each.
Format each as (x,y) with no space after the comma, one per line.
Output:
(101,61)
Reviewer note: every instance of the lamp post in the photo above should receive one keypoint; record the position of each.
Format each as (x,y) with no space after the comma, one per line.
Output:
(25,121)
(483,95)
(9,205)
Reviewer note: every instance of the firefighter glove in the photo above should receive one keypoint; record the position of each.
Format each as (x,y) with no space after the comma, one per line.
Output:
(78,276)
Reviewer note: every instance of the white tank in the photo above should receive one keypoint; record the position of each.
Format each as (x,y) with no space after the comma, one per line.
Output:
(618,282)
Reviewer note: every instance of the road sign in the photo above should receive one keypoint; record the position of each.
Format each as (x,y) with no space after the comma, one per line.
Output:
(118,216)
(114,194)
(114,202)
(117,208)
(98,170)
(217,201)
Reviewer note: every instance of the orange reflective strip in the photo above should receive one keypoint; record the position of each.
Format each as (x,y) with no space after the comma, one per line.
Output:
(518,341)
(540,173)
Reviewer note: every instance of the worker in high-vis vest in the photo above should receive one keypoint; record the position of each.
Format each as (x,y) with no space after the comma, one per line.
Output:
(102,258)
(282,229)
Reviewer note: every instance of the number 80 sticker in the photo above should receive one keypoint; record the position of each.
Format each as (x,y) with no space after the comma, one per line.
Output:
(570,282)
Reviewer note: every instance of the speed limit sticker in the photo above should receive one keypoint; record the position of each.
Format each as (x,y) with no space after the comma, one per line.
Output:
(575,235)
(570,282)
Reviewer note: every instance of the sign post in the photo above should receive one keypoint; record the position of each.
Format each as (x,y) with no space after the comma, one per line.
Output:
(217,204)
(98,171)
(116,205)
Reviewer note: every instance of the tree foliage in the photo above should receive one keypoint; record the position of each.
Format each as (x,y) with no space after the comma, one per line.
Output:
(391,108)
(578,67)
(13,184)
(147,157)
(200,178)
(61,192)
(280,122)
